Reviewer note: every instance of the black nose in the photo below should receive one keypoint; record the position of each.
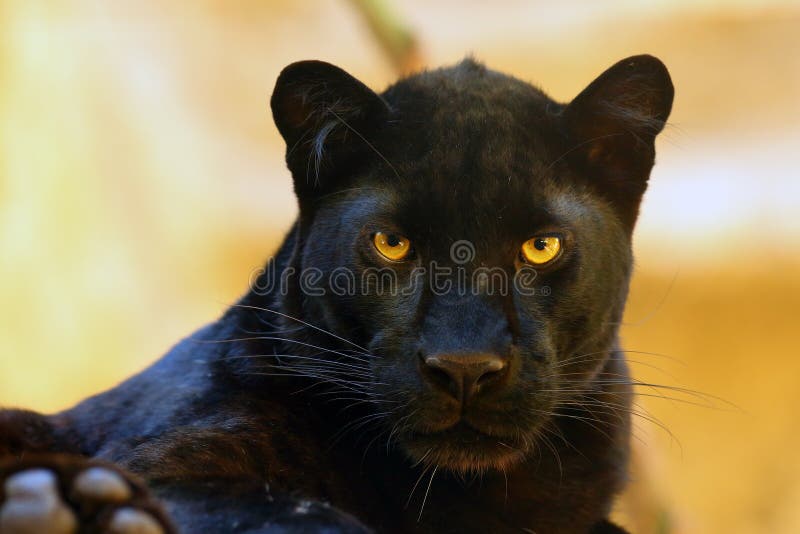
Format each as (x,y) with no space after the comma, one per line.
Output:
(463,374)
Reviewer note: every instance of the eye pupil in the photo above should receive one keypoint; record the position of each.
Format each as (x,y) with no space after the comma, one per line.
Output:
(394,247)
(541,250)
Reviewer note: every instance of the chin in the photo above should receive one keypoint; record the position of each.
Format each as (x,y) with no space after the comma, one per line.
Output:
(464,450)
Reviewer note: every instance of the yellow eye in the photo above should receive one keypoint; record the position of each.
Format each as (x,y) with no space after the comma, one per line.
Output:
(541,250)
(393,247)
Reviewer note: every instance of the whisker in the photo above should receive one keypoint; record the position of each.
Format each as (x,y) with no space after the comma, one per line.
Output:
(397,428)
(355,424)
(427,491)
(288,340)
(291,372)
(422,459)
(322,330)
(555,455)
(566,361)
(425,470)
(331,363)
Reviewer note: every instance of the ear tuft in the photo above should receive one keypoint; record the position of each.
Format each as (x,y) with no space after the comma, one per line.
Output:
(315,105)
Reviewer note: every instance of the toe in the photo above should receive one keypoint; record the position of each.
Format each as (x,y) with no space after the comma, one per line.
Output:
(100,484)
(33,505)
(31,483)
(132,521)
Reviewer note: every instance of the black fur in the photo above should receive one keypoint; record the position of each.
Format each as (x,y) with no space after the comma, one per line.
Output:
(296,395)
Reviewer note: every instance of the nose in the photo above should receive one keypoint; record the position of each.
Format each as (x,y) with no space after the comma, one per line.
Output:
(462,375)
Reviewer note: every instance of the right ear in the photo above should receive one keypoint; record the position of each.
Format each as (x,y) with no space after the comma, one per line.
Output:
(325,116)
(612,125)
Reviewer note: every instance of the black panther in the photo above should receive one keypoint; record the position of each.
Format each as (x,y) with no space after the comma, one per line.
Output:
(433,348)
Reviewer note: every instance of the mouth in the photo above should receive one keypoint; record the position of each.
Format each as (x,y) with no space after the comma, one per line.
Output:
(465,449)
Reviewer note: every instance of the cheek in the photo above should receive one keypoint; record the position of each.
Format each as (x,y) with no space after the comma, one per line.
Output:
(537,362)
(553,341)
(584,329)
(388,304)
(536,326)
(394,363)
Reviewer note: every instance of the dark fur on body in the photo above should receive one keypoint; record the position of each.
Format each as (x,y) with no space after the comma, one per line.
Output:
(241,422)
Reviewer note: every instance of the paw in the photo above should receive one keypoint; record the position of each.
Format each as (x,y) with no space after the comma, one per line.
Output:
(71,495)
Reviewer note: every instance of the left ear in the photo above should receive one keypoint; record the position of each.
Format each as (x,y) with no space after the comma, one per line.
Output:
(612,125)
(325,116)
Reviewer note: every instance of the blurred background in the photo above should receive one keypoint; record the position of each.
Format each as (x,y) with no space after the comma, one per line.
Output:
(142,180)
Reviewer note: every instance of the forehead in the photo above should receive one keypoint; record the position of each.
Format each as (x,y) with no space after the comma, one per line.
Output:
(468,116)
(475,201)
(473,153)
(439,211)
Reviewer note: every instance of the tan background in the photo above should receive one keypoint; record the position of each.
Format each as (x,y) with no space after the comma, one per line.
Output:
(141,181)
